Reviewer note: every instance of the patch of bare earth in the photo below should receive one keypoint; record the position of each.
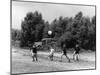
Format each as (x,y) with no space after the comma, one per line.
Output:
(22,62)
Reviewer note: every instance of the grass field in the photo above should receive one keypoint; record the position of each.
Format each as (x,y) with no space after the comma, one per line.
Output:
(22,62)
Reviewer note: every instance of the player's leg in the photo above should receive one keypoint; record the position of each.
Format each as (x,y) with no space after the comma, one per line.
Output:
(36,57)
(77,57)
(74,55)
(52,57)
(49,56)
(32,54)
(33,59)
(67,58)
(61,57)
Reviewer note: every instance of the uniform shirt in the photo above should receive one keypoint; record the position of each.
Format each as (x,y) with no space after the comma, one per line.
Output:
(64,50)
(34,50)
(77,49)
(52,51)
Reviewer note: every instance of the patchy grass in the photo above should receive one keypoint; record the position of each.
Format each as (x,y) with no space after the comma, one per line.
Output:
(22,62)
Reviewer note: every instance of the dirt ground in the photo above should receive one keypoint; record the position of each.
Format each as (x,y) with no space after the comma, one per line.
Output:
(22,62)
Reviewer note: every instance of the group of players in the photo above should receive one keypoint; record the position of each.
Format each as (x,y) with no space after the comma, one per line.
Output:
(52,51)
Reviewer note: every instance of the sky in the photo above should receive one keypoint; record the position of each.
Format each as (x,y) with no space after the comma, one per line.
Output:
(49,11)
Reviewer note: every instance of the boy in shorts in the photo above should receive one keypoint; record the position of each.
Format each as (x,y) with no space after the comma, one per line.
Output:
(64,53)
(34,53)
(51,53)
(76,52)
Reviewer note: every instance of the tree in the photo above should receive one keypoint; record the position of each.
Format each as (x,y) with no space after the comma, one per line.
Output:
(84,29)
(75,26)
(79,29)
(59,26)
(16,34)
(46,28)
(31,28)
(92,34)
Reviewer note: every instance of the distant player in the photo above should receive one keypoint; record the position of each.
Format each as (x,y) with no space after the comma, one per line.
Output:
(76,52)
(51,55)
(34,53)
(64,53)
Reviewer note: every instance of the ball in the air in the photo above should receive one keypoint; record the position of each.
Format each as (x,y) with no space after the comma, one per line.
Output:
(49,32)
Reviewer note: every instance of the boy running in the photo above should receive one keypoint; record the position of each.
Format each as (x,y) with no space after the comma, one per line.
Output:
(76,52)
(64,53)
(51,53)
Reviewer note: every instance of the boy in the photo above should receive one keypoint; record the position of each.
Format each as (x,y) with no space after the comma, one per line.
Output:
(34,53)
(51,53)
(64,53)
(76,52)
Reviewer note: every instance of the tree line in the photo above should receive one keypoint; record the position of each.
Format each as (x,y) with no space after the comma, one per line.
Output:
(34,28)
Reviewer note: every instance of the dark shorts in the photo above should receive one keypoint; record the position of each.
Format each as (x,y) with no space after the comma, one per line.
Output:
(51,55)
(76,52)
(34,54)
(64,53)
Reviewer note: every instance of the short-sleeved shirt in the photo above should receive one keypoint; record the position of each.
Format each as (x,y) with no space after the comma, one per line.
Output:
(64,51)
(34,50)
(77,49)
(52,51)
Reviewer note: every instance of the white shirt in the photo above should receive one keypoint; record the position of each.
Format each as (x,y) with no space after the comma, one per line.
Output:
(52,51)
